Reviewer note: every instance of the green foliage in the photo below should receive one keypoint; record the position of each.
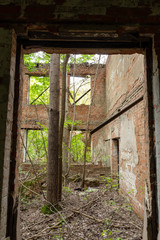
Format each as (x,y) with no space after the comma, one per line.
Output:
(37,86)
(131,191)
(82,58)
(109,233)
(119,238)
(111,183)
(24,190)
(21,171)
(77,144)
(35,146)
(31,60)
(112,203)
(37,151)
(78,147)
(82,85)
(58,237)
(68,190)
(47,209)
(127,206)
(50,209)
(106,232)
(68,122)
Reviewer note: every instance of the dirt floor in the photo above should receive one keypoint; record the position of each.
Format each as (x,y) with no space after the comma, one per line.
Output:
(94,214)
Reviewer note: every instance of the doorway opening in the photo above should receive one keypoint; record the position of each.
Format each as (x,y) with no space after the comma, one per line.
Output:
(118,98)
(115,158)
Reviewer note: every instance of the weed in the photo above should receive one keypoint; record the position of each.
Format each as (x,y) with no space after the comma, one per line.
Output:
(58,237)
(111,203)
(68,190)
(107,221)
(47,209)
(109,232)
(110,183)
(131,191)
(127,206)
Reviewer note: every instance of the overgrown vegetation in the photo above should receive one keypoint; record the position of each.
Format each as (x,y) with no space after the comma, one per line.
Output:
(77,148)
(39,94)
(37,152)
(37,145)
(93,214)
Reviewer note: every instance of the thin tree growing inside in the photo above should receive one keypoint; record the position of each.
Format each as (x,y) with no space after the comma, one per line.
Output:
(52,163)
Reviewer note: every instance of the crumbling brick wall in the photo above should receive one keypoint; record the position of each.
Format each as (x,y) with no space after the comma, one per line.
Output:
(32,115)
(124,86)
(97,74)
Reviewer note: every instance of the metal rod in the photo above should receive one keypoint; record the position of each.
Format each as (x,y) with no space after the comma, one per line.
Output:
(117,115)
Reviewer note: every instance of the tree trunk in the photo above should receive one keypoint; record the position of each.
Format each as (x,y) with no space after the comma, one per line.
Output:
(87,128)
(74,116)
(63,105)
(66,133)
(65,151)
(52,163)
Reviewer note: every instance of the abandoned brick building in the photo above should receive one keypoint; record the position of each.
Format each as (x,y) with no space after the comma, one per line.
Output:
(107,27)
(118,95)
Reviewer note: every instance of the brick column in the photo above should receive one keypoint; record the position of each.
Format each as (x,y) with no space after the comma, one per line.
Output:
(7,76)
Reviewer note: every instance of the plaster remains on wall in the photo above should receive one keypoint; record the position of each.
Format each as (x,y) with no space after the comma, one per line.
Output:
(129,153)
(99,153)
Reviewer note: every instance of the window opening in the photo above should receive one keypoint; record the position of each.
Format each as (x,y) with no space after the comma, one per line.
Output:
(78,145)
(115,158)
(39,90)
(82,90)
(37,143)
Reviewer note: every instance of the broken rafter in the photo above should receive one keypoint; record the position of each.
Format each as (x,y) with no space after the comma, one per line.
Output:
(39,95)
(82,96)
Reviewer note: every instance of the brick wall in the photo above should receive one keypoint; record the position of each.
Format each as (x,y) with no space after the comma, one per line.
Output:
(95,171)
(124,84)
(32,114)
